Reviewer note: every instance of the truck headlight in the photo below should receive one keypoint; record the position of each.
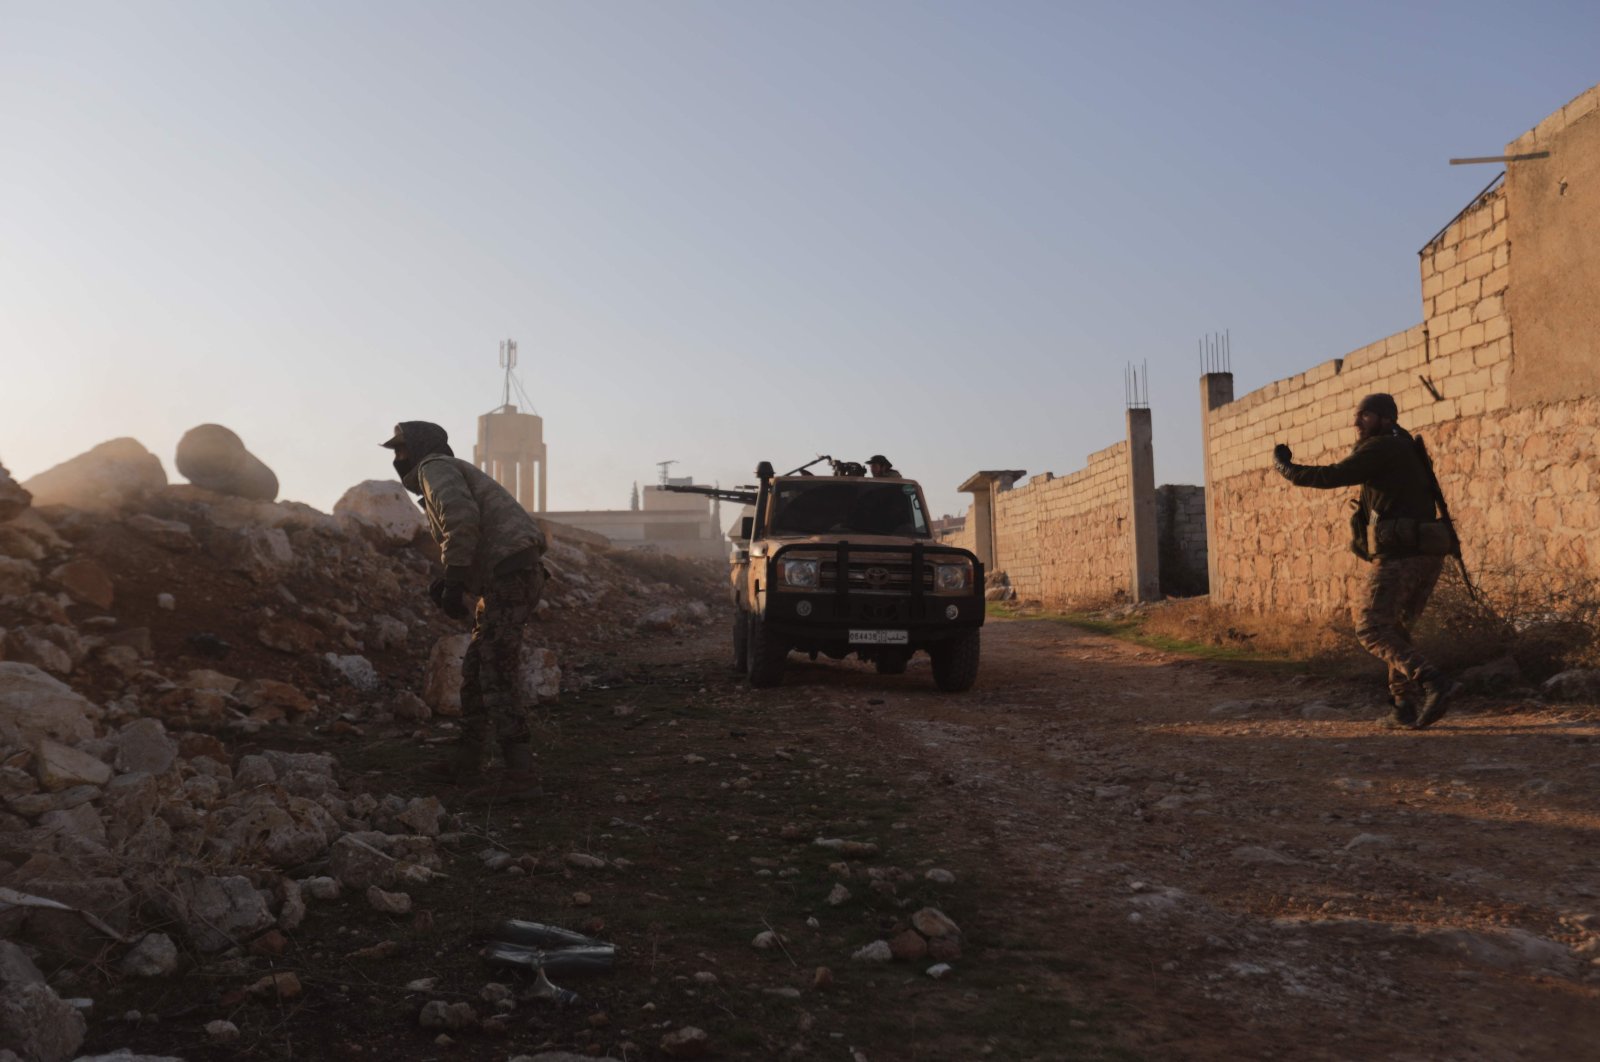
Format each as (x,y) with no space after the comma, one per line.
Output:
(800,573)
(952,576)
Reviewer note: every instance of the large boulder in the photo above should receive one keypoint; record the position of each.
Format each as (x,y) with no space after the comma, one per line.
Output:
(34,706)
(213,457)
(383,506)
(108,477)
(13,499)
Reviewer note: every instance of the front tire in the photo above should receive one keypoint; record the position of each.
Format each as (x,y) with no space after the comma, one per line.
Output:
(741,641)
(766,655)
(955,663)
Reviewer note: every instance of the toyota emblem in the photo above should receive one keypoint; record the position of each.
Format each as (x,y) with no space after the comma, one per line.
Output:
(877,576)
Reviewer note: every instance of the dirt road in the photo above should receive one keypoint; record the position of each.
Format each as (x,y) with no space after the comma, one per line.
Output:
(1148,856)
(1244,865)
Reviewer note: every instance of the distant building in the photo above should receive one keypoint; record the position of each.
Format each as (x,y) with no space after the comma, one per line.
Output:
(684,525)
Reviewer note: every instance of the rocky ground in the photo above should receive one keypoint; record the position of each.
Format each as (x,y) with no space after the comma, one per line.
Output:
(1103,851)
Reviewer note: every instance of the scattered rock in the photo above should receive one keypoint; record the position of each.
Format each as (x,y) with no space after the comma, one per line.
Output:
(838,895)
(154,956)
(908,946)
(584,861)
(143,745)
(33,1019)
(222,1032)
(280,984)
(933,923)
(437,1014)
(822,979)
(33,706)
(358,865)
(940,970)
(87,581)
(877,951)
(60,766)
(765,940)
(687,1042)
(940,877)
(391,903)
(355,670)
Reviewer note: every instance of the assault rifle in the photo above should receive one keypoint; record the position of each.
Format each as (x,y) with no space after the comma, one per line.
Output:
(1444,517)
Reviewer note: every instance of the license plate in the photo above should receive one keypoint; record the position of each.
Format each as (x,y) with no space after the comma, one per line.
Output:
(879,637)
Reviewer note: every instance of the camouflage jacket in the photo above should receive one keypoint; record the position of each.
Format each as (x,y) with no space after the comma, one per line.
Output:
(1394,482)
(476,521)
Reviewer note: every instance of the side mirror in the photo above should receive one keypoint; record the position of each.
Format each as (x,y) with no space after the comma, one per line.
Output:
(747,525)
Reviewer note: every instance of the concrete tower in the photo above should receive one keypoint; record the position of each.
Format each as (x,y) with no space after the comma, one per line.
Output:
(510,444)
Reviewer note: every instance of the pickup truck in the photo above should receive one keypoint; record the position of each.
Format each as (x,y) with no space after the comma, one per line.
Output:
(842,564)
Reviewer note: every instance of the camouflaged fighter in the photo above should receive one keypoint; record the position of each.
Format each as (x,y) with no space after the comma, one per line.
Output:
(840,564)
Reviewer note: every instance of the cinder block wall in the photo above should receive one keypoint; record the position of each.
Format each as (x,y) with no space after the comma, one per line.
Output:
(1518,475)
(1068,541)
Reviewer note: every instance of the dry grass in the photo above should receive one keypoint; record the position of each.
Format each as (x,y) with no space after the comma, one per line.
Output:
(1197,621)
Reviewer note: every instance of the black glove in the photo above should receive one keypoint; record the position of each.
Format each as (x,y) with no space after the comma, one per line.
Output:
(449,593)
(1282,457)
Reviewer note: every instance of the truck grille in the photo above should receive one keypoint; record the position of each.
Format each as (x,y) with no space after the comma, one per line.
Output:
(880,575)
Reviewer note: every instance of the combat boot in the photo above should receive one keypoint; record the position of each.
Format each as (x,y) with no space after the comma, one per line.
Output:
(518,781)
(520,778)
(464,763)
(1403,716)
(1436,694)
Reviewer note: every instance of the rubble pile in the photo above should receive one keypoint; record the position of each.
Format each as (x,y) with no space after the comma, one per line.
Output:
(149,634)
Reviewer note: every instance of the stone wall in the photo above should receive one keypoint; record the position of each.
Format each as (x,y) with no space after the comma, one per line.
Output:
(1067,542)
(1181,527)
(1517,475)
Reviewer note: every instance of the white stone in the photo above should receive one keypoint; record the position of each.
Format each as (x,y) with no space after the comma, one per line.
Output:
(877,951)
(384,506)
(154,956)
(355,670)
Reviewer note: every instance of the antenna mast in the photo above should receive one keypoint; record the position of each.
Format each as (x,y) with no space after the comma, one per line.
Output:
(664,466)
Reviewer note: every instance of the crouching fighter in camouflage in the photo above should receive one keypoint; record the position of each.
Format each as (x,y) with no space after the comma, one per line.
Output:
(491,550)
(1397,527)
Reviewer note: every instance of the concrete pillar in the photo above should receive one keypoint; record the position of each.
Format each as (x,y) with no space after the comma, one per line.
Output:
(1145,578)
(1216,390)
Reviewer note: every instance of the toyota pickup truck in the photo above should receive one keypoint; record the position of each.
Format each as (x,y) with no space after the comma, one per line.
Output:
(841,564)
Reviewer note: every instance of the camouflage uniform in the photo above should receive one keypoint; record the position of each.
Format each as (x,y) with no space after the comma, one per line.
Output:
(494,658)
(492,546)
(1394,485)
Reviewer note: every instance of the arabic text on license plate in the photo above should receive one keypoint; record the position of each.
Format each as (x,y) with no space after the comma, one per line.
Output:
(878,638)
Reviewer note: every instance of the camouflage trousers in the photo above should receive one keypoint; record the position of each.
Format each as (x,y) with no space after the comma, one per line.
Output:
(491,703)
(1396,593)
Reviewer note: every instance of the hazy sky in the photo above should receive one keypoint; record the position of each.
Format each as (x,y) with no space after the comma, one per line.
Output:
(722,232)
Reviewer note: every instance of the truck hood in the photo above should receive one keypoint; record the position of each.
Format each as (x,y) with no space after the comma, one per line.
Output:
(832,541)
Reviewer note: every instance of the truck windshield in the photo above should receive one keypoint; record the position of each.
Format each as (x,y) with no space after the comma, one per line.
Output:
(855,507)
